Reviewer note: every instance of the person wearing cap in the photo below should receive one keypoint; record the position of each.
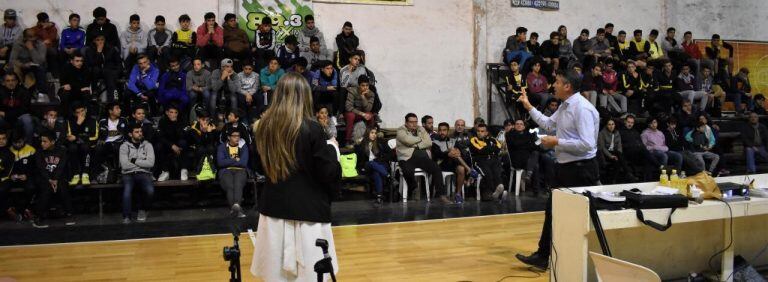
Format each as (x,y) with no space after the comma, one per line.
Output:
(224,86)
(105,64)
(102,25)
(325,87)
(316,53)
(288,53)
(10,32)
(210,39)
(72,38)
(28,57)
(247,83)
(307,32)
(172,150)
(347,43)
(47,32)
(159,43)
(236,45)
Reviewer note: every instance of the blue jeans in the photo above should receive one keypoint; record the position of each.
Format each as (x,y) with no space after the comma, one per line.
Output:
(144,182)
(524,56)
(675,159)
(661,157)
(751,151)
(377,171)
(207,102)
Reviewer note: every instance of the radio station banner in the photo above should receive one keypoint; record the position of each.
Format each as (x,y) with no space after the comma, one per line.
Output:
(374,2)
(549,5)
(287,15)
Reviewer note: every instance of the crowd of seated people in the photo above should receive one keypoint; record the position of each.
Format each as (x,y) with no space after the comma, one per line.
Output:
(97,105)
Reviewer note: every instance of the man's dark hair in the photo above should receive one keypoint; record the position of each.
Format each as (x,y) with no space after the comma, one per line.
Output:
(133,126)
(715,36)
(99,12)
(363,79)
(688,33)
(134,18)
(171,106)
(48,134)
(301,61)
(520,30)
(347,24)
(637,31)
(443,124)
(174,59)
(600,31)
(671,29)
(139,107)
(608,25)
(534,35)
(184,18)
(629,116)
(229,16)
(585,31)
(622,32)
(159,19)
(425,118)
(703,67)
(654,33)
(410,115)
(314,39)
(112,105)
(74,15)
(481,125)
(266,20)
(76,54)
(571,77)
(309,18)
(554,34)
(142,56)
(42,17)
(209,15)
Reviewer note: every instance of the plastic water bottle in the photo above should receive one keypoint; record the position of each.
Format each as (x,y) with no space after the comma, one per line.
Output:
(664,178)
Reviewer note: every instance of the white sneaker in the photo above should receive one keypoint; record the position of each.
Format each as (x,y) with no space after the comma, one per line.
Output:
(163,176)
(184,175)
(141,216)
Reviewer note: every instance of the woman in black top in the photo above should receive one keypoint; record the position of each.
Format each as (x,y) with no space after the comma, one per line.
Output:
(374,155)
(303,174)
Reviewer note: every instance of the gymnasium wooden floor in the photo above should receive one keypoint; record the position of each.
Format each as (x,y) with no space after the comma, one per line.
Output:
(463,249)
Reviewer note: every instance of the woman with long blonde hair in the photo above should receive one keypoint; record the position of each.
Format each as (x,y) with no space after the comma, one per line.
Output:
(303,174)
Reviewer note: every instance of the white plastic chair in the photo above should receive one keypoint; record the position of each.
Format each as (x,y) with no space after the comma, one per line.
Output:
(610,269)
(450,185)
(518,181)
(416,174)
(477,187)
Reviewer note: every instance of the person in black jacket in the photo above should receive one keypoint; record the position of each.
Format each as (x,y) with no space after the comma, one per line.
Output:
(485,153)
(373,157)
(103,60)
(347,43)
(523,152)
(6,165)
(754,135)
(112,133)
(171,145)
(445,151)
(22,171)
(75,82)
(51,122)
(635,151)
(300,184)
(82,134)
(50,180)
(102,25)
(15,105)
(202,139)
(674,138)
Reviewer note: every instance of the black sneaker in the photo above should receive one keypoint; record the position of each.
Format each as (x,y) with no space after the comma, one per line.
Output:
(536,260)
(39,223)
(70,220)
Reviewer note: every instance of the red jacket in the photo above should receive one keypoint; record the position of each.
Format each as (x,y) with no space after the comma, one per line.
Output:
(203,37)
(692,50)
(49,35)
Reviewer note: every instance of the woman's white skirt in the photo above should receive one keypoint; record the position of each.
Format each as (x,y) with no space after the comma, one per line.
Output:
(285,249)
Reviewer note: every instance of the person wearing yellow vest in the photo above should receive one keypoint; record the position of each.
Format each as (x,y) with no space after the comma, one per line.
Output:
(638,46)
(183,40)
(232,159)
(654,48)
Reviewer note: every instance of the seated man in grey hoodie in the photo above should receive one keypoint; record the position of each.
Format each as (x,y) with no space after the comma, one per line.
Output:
(316,54)
(307,32)
(137,158)
(247,85)
(134,42)
(199,85)
(224,86)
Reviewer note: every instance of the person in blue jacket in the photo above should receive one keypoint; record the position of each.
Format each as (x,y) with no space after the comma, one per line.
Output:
(173,86)
(143,80)
(232,160)
(72,38)
(325,87)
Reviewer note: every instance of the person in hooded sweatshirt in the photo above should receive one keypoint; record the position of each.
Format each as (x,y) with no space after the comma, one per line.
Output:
(236,45)
(102,25)
(199,85)
(308,31)
(288,53)
(325,86)
(247,83)
(72,38)
(28,57)
(173,86)
(264,42)
(159,43)
(172,150)
(105,64)
(137,158)
(50,161)
(75,82)
(133,40)
(316,54)
(347,44)
(47,32)
(10,31)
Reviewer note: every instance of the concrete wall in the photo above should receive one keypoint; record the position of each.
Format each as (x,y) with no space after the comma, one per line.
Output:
(740,20)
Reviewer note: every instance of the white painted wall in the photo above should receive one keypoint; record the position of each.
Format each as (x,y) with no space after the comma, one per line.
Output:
(737,20)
